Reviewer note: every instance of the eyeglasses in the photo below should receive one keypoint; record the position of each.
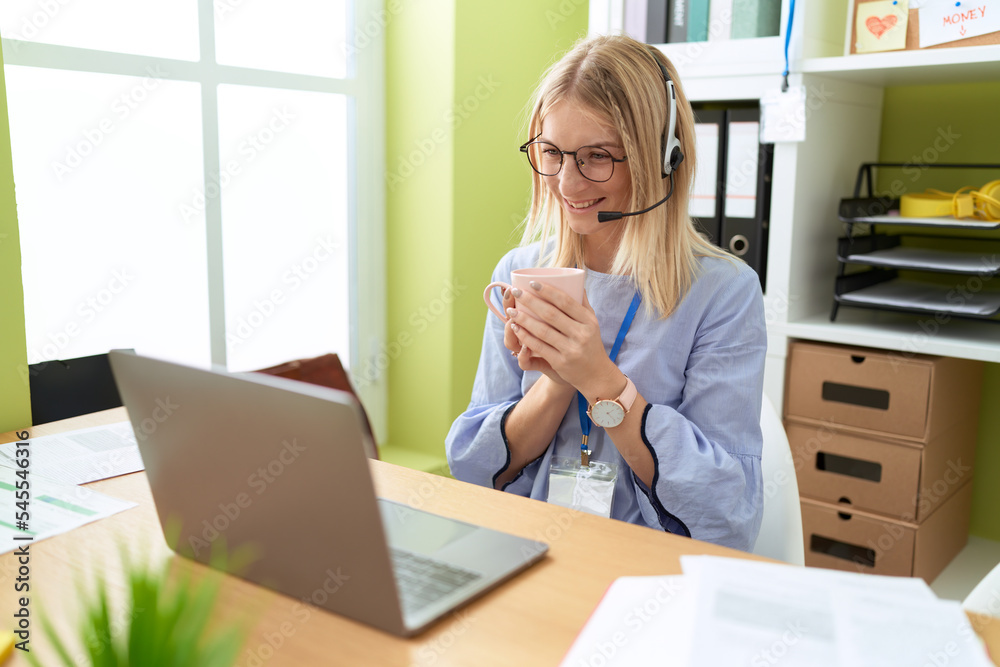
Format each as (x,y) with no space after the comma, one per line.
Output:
(595,164)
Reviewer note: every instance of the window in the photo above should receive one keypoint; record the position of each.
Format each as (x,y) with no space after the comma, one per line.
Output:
(190,176)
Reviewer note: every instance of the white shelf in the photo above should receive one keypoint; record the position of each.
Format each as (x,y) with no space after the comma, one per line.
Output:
(727,58)
(905,333)
(904,68)
(765,56)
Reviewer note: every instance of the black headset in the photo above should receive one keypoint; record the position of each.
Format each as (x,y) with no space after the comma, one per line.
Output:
(670,144)
(670,147)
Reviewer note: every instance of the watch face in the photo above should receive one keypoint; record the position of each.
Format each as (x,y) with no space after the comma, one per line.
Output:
(607,414)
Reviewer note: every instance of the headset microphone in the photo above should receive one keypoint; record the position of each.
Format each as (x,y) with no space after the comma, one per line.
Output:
(670,146)
(610,216)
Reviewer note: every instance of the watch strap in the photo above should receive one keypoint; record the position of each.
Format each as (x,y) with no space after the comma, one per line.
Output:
(628,395)
(625,399)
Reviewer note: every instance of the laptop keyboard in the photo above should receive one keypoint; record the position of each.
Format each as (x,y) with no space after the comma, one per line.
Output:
(424,580)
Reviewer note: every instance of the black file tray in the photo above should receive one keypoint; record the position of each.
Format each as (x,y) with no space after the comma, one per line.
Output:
(889,252)
(883,202)
(883,289)
(974,294)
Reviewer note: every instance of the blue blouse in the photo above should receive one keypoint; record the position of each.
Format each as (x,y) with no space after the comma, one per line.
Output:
(701,371)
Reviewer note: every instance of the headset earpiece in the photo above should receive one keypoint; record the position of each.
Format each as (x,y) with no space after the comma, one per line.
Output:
(670,144)
(672,155)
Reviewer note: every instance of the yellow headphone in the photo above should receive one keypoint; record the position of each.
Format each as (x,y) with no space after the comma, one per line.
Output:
(982,204)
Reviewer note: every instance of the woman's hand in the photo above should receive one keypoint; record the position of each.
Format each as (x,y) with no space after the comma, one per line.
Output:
(563,340)
(511,341)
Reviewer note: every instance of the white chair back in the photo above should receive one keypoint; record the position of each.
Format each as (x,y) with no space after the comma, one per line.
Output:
(781,528)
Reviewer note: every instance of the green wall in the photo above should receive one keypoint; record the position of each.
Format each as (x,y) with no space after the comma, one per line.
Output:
(15,409)
(458,78)
(955,123)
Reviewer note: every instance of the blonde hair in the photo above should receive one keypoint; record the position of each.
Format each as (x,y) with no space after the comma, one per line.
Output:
(615,78)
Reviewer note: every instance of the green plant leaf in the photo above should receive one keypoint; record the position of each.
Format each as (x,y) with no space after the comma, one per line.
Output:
(165,620)
(53,636)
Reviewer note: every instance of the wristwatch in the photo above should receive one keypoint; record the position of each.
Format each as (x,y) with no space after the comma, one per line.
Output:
(608,413)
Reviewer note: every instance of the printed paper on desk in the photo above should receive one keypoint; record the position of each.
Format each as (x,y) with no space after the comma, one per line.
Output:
(808,616)
(881,26)
(947,21)
(636,621)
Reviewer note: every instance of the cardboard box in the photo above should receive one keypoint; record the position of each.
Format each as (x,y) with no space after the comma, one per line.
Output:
(913,397)
(895,478)
(862,542)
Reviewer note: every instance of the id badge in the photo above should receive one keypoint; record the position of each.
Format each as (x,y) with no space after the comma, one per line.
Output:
(585,488)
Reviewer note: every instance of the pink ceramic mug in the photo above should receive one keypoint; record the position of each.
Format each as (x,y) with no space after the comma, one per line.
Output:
(568,280)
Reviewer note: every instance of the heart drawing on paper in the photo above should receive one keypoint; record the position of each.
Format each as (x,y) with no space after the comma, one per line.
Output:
(879,26)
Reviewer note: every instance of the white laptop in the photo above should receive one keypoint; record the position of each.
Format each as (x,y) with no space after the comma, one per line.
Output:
(281,466)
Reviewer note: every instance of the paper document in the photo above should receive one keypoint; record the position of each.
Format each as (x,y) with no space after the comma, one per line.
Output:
(731,611)
(85,455)
(639,620)
(943,221)
(52,508)
(940,260)
(927,296)
(949,21)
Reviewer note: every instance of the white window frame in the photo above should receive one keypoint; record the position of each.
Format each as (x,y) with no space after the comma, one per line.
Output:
(364,85)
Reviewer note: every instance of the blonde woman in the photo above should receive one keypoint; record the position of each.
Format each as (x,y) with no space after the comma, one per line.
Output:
(673,409)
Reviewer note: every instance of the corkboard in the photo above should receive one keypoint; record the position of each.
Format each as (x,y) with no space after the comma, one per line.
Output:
(913,32)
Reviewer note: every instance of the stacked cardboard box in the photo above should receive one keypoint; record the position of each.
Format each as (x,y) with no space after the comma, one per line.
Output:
(884,444)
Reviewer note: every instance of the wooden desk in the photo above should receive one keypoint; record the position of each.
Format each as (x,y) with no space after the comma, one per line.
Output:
(531,620)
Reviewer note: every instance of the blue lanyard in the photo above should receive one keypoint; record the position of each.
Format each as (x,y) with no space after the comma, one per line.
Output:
(788,38)
(581,402)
